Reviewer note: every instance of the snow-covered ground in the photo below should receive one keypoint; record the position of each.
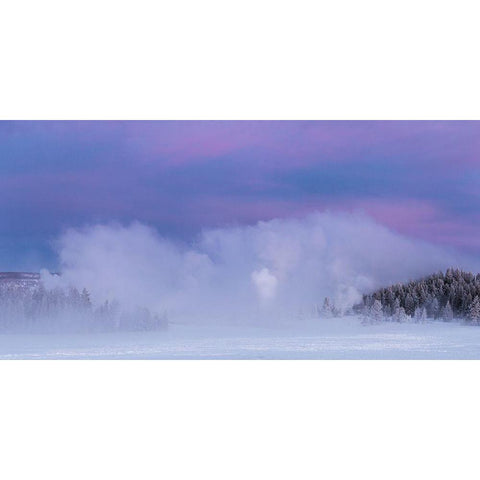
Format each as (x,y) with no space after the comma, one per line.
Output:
(344,338)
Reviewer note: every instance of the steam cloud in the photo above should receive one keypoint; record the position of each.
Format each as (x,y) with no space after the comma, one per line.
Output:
(273,269)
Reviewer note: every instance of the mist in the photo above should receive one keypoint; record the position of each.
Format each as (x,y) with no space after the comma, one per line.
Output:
(271,271)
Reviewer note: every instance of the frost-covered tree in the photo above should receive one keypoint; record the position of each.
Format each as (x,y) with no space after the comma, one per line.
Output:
(420,315)
(395,307)
(474,311)
(447,312)
(376,311)
(85,299)
(435,308)
(36,309)
(327,308)
(410,304)
(401,316)
(439,294)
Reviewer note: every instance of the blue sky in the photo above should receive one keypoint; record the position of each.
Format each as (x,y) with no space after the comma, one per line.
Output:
(420,178)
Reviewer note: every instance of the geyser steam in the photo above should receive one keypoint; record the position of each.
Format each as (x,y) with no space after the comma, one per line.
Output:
(271,269)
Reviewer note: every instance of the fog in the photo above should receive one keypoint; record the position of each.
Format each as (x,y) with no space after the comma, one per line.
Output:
(267,272)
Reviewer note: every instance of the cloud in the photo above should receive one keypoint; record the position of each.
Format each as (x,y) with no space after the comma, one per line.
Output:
(180,176)
(265,283)
(272,269)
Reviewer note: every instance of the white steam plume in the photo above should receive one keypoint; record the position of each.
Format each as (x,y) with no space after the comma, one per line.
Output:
(274,268)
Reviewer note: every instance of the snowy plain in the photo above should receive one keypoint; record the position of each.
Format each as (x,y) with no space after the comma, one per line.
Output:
(338,338)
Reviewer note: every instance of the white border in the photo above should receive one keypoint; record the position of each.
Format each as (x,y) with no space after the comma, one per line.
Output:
(255,59)
(239,419)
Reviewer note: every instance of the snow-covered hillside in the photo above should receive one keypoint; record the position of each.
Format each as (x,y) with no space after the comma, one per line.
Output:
(19,279)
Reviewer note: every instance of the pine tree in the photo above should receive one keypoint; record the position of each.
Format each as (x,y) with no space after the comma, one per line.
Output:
(328,308)
(409,304)
(435,308)
(396,304)
(447,312)
(466,301)
(85,299)
(376,312)
(420,315)
(474,311)
(401,315)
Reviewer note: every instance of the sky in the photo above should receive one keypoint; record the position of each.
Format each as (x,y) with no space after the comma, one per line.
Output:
(418,178)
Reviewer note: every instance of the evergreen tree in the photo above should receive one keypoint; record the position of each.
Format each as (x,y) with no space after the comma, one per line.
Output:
(328,308)
(36,309)
(474,311)
(409,304)
(420,315)
(435,308)
(446,296)
(447,312)
(401,315)
(376,312)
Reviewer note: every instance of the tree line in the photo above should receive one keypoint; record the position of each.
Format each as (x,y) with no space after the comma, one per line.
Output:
(37,309)
(445,296)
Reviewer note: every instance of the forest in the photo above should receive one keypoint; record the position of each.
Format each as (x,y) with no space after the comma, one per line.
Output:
(454,294)
(36,309)
(30,307)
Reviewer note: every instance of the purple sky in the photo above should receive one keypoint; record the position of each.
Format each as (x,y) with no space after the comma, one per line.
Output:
(418,178)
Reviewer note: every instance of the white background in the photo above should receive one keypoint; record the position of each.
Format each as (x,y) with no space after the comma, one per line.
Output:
(239,60)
